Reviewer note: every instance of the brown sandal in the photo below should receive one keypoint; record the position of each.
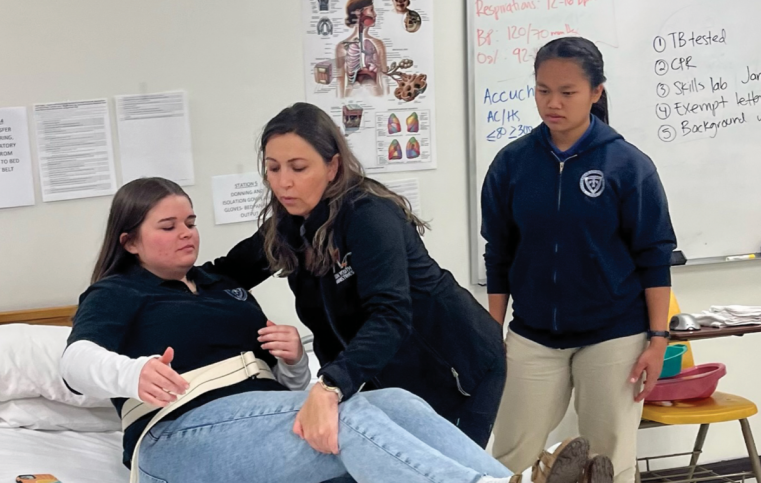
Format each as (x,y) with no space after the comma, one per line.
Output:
(565,465)
(599,469)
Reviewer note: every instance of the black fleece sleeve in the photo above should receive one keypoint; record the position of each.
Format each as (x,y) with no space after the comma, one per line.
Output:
(376,240)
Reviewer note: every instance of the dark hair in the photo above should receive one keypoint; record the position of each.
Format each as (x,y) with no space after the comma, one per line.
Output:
(351,8)
(586,54)
(129,208)
(316,127)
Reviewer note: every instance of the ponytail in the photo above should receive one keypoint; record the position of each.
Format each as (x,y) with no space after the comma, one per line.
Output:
(600,108)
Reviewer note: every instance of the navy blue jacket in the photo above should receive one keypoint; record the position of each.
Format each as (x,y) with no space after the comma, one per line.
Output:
(135,313)
(576,241)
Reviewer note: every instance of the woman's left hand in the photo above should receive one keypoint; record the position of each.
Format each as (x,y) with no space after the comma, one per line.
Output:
(283,341)
(651,363)
(317,421)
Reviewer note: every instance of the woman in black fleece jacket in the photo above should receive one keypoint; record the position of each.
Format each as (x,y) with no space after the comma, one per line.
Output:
(383,313)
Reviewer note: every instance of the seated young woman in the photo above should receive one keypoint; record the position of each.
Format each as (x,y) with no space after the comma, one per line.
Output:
(151,317)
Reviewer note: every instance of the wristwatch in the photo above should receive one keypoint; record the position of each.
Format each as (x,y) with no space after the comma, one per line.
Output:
(658,333)
(328,387)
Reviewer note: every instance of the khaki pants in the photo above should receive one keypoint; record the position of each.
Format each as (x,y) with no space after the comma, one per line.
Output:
(538,389)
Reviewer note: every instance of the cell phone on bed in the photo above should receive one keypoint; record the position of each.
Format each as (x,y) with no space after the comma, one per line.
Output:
(37,479)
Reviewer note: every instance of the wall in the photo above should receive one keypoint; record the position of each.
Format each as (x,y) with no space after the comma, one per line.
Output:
(237,78)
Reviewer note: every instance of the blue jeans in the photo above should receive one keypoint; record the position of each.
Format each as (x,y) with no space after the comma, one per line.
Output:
(388,435)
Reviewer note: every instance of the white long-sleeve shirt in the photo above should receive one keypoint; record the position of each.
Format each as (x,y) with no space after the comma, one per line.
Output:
(92,370)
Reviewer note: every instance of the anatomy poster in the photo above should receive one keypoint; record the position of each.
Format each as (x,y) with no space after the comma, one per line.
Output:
(369,64)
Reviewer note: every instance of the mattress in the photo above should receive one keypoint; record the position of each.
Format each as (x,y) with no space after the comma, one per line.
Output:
(72,457)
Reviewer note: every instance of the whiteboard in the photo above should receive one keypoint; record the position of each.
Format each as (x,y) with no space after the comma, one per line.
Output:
(684,85)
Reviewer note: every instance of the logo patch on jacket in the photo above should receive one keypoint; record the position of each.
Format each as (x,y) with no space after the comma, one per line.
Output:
(237,293)
(592,183)
(343,270)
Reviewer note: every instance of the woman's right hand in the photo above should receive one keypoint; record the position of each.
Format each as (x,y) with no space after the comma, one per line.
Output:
(159,384)
(317,421)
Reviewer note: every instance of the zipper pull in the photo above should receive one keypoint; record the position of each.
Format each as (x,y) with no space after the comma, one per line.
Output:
(457,379)
(562,165)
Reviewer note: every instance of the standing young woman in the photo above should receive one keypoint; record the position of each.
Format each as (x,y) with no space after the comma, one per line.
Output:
(578,233)
(382,311)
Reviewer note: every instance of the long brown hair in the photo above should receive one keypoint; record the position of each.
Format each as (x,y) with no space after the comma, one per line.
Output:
(315,126)
(129,208)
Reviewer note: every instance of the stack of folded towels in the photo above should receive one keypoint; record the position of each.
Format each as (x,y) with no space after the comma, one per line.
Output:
(729,316)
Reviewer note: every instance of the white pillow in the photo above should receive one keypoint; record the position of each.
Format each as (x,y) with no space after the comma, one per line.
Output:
(39,413)
(29,357)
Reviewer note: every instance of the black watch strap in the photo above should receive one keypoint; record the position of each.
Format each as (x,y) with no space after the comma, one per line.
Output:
(658,333)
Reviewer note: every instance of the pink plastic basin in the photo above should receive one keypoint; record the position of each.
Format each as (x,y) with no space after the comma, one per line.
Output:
(694,383)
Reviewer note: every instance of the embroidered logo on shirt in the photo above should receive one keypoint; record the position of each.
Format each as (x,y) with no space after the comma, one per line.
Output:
(237,293)
(343,270)
(592,183)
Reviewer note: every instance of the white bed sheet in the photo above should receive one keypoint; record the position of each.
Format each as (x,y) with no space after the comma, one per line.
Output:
(72,457)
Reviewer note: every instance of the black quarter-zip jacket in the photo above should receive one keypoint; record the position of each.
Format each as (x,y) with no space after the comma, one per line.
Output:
(386,315)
